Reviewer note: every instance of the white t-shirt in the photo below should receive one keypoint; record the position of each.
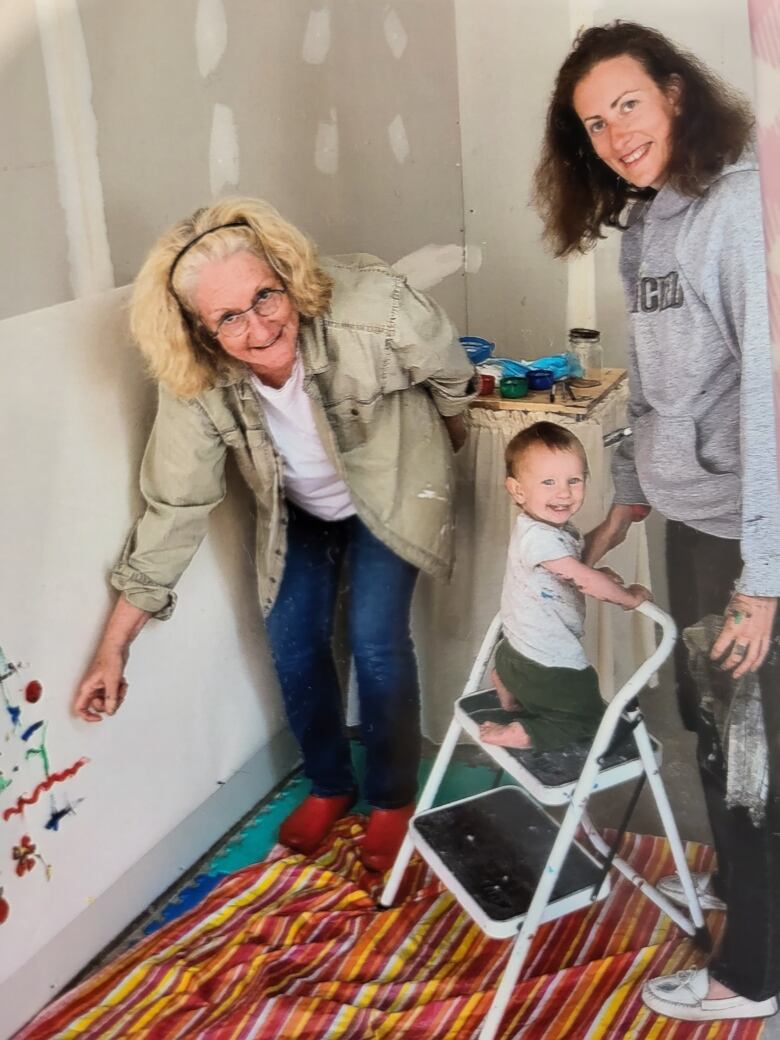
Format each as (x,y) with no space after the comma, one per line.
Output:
(311,481)
(543,616)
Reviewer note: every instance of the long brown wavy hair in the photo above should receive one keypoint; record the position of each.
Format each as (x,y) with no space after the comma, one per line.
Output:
(577,194)
(179,351)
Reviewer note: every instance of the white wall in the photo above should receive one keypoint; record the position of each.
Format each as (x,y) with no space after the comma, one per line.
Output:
(202,701)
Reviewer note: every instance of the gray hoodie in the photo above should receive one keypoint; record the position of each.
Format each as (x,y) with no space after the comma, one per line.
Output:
(700,369)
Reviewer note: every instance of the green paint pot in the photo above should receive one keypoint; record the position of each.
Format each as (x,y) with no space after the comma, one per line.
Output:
(513,386)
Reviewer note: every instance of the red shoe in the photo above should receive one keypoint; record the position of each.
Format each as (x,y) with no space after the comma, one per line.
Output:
(310,824)
(384,836)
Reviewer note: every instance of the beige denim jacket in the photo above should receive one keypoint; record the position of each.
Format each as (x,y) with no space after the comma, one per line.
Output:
(382,367)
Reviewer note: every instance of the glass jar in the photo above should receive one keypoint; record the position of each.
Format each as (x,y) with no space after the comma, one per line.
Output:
(585,345)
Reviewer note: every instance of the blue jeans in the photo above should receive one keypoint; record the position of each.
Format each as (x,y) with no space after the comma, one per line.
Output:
(300,631)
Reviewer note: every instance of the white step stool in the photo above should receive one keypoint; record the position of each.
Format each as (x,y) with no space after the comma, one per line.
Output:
(510,864)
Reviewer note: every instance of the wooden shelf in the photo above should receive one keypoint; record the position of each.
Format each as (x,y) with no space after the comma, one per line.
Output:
(539,400)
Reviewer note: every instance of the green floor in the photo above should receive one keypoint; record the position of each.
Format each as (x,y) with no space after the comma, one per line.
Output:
(256,835)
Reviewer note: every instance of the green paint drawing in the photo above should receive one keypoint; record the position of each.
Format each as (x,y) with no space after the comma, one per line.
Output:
(40,750)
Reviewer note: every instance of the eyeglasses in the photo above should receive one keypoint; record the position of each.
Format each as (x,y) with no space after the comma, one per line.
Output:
(266,304)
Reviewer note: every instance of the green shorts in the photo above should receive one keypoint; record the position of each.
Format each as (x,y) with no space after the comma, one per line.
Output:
(556,706)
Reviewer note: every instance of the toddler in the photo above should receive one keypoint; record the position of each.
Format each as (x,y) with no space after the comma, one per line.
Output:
(542,675)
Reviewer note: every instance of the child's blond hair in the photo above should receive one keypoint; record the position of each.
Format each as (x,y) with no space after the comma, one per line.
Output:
(545,435)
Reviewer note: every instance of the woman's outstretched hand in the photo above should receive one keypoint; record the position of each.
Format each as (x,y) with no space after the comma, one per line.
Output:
(744,641)
(104,686)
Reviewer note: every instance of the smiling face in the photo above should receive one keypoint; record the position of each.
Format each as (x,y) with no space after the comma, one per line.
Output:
(628,119)
(227,287)
(548,484)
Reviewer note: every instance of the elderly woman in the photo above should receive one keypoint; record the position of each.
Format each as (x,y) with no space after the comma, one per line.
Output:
(641,137)
(340,392)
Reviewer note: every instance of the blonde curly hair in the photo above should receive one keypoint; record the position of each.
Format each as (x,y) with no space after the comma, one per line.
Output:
(179,350)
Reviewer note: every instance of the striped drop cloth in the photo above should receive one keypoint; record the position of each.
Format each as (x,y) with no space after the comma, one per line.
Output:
(296,948)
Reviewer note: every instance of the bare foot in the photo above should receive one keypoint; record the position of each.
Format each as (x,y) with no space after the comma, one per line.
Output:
(505,698)
(718,991)
(512,735)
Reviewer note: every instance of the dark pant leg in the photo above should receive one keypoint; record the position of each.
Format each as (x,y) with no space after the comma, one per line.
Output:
(749,957)
(300,630)
(380,597)
(701,571)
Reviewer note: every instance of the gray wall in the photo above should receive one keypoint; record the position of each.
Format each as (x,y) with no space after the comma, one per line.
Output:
(153,110)
(33,247)
(469,80)
(508,53)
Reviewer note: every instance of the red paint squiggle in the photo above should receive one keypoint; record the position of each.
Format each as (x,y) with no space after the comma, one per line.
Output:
(44,785)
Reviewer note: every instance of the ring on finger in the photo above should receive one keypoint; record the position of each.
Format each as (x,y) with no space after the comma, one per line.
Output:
(740,649)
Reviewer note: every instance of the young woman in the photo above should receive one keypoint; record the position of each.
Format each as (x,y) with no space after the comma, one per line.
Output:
(642,137)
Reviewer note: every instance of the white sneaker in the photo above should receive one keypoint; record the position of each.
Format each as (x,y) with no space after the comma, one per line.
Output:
(684,995)
(671,887)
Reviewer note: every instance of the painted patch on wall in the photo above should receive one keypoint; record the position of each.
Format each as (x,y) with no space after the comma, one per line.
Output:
(395,34)
(430,265)
(399,143)
(473,258)
(224,160)
(210,35)
(316,40)
(326,146)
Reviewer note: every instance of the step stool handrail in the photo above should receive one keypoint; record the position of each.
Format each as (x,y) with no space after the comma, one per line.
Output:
(634,683)
(650,665)
(627,692)
(484,653)
(624,696)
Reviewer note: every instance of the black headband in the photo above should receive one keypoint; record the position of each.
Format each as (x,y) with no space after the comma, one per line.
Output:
(191,243)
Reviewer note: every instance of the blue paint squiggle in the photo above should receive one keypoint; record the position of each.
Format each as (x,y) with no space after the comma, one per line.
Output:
(31,729)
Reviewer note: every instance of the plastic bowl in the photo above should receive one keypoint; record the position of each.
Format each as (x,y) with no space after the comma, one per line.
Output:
(513,386)
(477,349)
(540,378)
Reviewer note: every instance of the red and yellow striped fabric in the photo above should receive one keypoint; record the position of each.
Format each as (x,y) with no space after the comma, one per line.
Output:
(296,948)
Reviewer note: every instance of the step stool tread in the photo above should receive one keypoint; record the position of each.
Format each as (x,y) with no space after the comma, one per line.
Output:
(551,768)
(496,845)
